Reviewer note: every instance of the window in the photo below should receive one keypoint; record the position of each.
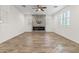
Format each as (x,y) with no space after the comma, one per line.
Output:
(65,18)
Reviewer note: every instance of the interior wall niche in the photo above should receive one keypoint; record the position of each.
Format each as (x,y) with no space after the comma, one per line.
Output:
(39,22)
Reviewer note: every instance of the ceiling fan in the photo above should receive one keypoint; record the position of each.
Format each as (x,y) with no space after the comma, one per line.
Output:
(39,8)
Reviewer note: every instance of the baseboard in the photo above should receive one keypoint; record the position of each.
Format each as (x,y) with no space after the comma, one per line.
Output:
(66,38)
(11,37)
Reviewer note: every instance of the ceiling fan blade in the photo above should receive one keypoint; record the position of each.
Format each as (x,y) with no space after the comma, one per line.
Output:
(42,9)
(34,8)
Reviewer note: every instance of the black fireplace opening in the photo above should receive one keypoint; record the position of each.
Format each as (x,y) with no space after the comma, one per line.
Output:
(38,29)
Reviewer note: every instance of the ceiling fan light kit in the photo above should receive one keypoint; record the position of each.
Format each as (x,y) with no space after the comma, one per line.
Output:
(39,8)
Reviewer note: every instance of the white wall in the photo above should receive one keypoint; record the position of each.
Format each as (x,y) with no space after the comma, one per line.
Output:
(71,32)
(49,23)
(28,23)
(13,22)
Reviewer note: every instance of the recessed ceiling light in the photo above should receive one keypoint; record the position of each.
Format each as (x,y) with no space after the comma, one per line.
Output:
(23,5)
(55,6)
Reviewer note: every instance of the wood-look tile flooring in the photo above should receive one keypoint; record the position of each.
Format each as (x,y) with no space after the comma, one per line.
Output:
(39,42)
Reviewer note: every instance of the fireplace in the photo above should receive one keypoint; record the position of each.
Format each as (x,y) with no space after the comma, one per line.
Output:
(39,22)
(38,29)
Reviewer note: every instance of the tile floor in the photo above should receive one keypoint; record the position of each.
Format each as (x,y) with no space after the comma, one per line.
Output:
(39,42)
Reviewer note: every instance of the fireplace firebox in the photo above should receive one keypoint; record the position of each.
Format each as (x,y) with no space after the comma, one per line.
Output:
(38,29)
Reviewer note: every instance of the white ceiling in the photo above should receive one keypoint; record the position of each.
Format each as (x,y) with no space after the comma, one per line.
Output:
(50,9)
